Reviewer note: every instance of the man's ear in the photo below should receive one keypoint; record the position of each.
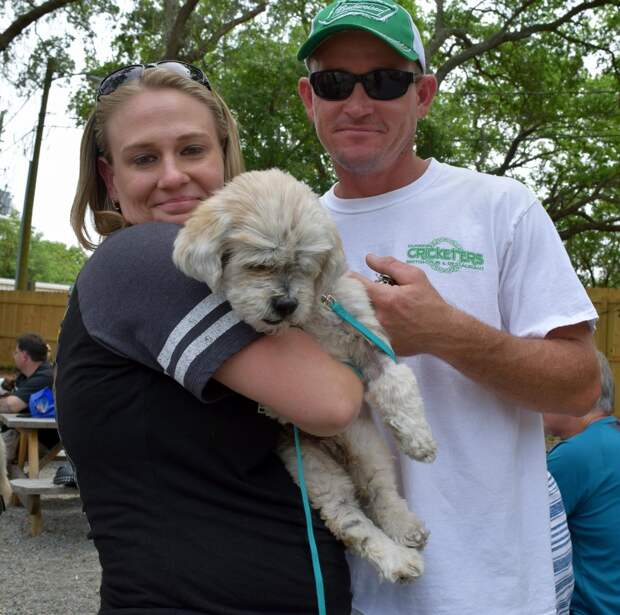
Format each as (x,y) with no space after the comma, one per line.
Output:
(304,89)
(426,90)
(106,172)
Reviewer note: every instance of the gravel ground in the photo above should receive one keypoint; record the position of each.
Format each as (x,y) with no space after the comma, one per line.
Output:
(56,573)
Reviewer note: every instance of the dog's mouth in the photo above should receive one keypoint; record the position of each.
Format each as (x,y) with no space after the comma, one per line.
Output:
(272,322)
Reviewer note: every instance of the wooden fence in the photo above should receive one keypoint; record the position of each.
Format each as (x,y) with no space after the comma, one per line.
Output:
(42,312)
(29,312)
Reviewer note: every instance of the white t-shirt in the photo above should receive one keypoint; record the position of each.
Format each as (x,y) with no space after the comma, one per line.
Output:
(489,248)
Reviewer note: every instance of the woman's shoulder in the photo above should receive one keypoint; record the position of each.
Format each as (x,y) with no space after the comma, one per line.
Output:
(136,261)
(152,237)
(144,249)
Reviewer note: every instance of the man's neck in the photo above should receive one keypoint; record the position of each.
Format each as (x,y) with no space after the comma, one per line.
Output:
(575,425)
(353,185)
(30,369)
(592,417)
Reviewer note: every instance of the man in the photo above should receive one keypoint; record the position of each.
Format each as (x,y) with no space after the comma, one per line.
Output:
(487,311)
(35,373)
(586,467)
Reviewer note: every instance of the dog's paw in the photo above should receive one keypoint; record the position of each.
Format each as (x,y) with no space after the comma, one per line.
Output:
(400,564)
(406,530)
(417,443)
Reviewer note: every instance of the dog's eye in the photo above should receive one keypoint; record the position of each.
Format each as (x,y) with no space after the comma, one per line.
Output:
(258,267)
(226,258)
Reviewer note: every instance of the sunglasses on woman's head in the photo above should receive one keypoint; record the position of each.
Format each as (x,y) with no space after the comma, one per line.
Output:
(115,79)
(380,84)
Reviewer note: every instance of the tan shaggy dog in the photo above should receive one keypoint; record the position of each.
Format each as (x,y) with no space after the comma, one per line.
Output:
(265,242)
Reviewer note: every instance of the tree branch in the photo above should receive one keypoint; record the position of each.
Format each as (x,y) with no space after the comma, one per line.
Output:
(439,35)
(523,134)
(503,36)
(224,29)
(604,227)
(553,203)
(173,45)
(520,10)
(25,19)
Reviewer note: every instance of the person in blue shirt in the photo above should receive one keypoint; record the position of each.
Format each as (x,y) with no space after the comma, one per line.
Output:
(31,357)
(586,467)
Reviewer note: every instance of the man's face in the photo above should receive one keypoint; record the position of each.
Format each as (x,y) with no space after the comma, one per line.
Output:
(19,358)
(363,135)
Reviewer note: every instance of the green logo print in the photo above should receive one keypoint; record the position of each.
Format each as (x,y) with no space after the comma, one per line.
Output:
(444,255)
(377,10)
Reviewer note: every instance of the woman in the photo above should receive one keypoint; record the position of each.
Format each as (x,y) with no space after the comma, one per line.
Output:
(159,383)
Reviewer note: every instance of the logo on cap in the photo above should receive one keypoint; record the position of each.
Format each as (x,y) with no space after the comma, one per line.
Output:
(373,9)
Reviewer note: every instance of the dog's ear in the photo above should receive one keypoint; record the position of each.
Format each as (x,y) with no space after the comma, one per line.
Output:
(199,249)
(335,264)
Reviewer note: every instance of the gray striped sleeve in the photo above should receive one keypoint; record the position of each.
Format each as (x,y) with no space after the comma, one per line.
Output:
(136,303)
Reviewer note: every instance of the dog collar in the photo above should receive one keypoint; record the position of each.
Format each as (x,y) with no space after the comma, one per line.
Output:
(337,308)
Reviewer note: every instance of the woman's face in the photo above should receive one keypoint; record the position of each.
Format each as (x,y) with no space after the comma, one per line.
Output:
(165,156)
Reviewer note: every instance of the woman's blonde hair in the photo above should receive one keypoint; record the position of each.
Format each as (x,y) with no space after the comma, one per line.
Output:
(91,191)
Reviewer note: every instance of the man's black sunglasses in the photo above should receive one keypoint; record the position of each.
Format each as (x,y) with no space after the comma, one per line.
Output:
(114,80)
(381,84)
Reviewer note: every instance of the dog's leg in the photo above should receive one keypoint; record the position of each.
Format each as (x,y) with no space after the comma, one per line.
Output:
(331,490)
(371,467)
(393,393)
(392,389)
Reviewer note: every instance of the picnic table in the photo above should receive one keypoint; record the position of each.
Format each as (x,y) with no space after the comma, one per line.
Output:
(28,428)
(31,488)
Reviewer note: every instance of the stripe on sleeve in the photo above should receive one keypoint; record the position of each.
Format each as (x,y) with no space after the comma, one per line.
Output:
(203,341)
(191,319)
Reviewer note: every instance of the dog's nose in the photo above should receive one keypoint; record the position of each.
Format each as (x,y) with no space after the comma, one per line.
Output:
(284,306)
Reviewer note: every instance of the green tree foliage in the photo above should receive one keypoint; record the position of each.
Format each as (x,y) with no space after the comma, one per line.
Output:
(37,31)
(528,89)
(50,261)
(596,257)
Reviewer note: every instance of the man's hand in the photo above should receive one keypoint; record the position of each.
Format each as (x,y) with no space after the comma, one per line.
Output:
(413,313)
(556,374)
(6,386)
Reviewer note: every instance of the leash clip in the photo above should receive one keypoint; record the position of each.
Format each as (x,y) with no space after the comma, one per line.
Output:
(328,300)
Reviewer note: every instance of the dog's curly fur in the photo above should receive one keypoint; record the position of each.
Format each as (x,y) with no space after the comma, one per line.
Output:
(266,243)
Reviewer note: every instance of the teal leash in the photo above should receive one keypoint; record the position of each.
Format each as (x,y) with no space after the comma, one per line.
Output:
(333,305)
(330,302)
(316,564)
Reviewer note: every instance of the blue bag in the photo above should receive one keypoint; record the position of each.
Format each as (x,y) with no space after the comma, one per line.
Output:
(41,404)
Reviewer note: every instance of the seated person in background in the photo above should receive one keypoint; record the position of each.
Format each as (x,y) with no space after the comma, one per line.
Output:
(586,467)
(35,373)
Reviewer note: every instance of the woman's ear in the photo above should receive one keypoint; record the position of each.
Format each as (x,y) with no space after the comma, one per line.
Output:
(106,172)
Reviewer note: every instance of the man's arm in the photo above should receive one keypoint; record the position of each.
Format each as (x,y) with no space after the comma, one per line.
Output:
(12,404)
(558,373)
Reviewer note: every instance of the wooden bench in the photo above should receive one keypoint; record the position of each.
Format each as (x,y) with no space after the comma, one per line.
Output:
(30,490)
(28,428)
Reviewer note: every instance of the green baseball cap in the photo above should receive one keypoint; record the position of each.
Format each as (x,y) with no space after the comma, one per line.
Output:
(385,19)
